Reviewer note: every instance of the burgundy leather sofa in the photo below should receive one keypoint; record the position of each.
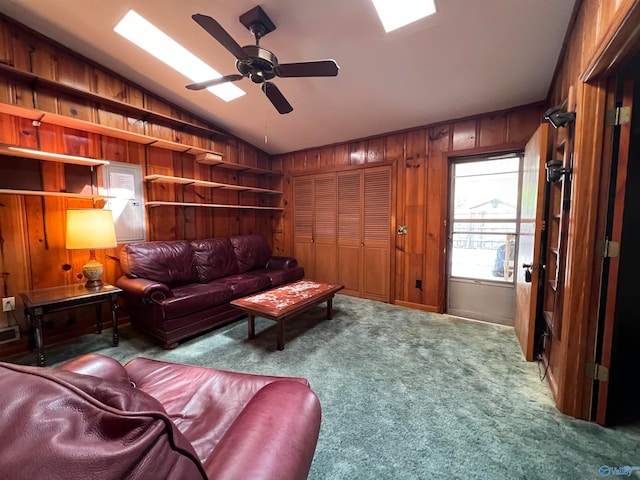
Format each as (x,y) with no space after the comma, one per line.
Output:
(176,289)
(92,418)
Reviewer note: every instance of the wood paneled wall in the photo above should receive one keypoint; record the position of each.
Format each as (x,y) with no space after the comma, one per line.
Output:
(597,42)
(32,250)
(420,157)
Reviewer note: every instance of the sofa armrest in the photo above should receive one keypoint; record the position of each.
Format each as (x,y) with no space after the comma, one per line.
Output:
(280,263)
(142,290)
(285,415)
(97,365)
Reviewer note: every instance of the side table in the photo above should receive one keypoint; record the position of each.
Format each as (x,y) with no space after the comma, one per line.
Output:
(38,303)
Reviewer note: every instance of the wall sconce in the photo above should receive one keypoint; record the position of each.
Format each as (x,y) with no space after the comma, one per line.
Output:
(558,118)
(555,171)
(90,229)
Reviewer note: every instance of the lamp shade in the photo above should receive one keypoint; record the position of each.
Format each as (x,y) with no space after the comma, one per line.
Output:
(90,229)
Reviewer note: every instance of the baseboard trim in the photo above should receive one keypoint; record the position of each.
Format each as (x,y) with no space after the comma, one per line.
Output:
(418,306)
(507,322)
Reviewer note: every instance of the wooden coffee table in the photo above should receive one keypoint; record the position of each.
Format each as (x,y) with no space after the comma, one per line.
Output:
(281,303)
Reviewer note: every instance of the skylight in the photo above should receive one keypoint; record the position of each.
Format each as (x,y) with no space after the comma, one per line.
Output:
(139,31)
(398,13)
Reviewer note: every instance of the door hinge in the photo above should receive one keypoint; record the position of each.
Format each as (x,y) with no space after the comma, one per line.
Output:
(607,249)
(618,116)
(597,372)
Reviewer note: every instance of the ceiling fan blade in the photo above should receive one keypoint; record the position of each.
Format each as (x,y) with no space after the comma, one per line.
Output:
(214,29)
(320,68)
(216,81)
(277,99)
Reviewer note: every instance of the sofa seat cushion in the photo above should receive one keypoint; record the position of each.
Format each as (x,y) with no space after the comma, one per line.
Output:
(244,284)
(281,277)
(202,415)
(214,258)
(188,299)
(72,426)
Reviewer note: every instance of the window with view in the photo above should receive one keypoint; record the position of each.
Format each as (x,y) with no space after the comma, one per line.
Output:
(484,218)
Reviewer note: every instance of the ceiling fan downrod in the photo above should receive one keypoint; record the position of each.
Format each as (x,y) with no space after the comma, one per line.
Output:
(258,30)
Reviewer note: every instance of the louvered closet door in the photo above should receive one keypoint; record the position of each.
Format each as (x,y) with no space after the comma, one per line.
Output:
(376,233)
(325,229)
(350,231)
(303,196)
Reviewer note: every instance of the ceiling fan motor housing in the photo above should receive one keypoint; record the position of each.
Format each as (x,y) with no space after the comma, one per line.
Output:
(259,68)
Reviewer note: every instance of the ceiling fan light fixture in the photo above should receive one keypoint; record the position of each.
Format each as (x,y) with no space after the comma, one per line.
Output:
(154,41)
(257,77)
(257,63)
(395,14)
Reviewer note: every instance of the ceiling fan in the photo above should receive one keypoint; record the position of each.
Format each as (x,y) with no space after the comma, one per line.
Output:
(257,63)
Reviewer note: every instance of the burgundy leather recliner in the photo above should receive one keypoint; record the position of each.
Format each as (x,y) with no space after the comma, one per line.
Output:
(93,418)
(177,289)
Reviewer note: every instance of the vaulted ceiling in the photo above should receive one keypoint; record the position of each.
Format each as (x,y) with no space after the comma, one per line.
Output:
(471,57)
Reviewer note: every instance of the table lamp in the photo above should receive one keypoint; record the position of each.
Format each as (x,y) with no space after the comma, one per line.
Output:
(90,229)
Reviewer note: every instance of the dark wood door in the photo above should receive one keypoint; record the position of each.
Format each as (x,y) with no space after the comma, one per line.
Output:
(530,238)
(612,313)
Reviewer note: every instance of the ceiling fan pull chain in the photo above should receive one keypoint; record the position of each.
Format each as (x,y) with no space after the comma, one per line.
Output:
(266,137)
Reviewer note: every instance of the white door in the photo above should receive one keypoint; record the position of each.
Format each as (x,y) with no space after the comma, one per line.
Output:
(123,188)
(483,229)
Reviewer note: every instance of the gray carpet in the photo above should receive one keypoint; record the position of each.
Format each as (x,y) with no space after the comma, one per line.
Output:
(405,394)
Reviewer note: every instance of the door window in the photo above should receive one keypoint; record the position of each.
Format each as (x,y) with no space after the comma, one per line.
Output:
(485,218)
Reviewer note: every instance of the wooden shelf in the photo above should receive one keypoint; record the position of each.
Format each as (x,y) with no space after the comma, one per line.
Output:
(209,205)
(70,122)
(13,151)
(126,108)
(264,190)
(65,121)
(208,184)
(6,191)
(216,160)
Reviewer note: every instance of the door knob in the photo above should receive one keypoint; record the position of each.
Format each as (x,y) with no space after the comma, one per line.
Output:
(527,272)
(531,266)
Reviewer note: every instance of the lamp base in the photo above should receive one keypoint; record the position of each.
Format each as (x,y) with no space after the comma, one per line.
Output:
(92,271)
(93,284)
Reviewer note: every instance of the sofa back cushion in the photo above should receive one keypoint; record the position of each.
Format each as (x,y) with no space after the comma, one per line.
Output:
(170,263)
(252,251)
(213,258)
(74,426)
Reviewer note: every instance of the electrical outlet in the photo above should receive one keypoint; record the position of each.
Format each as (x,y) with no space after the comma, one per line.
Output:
(8,304)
